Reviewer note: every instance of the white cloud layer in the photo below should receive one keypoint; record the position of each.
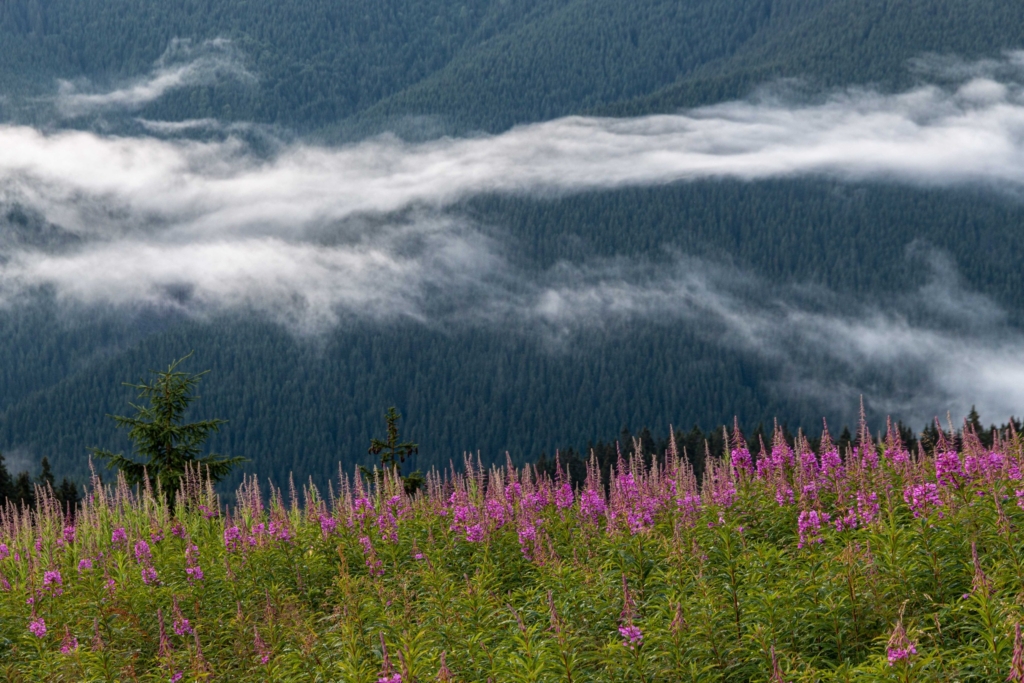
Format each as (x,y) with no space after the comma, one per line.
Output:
(316,235)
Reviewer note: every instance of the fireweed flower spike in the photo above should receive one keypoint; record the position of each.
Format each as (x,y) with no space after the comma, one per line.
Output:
(900,648)
(69,644)
(1017,662)
(37,627)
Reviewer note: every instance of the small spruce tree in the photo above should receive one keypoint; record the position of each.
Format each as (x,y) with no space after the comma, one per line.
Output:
(165,442)
(393,452)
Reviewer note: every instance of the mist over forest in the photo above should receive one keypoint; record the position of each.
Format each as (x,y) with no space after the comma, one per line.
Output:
(525,225)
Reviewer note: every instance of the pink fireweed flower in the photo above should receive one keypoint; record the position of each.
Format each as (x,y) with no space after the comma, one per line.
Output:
(527,537)
(177,529)
(4,551)
(898,457)
(232,538)
(867,507)
(947,468)
(831,463)
(475,533)
(262,650)
(362,507)
(809,525)
(742,461)
(178,675)
(149,575)
(632,635)
(5,585)
(592,506)
(69,644)
(784,494)
(495,511)
(900,647)
(52,582)
(181,625)
(85,564)
(69,534)
(37,627)
(119,536)
(279,530)
(847,521)
(388,526)
(327,525)
(393,678)
(375,566)
(143,555)
(921,498)
(192,571)
(564,496)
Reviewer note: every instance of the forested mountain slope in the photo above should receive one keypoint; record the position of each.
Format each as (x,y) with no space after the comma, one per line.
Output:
(487,64)
(868,253)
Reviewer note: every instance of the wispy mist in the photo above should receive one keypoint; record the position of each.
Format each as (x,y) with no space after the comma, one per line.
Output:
(184,64)
(314,236)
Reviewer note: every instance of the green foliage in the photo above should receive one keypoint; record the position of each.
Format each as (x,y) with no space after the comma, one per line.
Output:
(383,584)
(168,445)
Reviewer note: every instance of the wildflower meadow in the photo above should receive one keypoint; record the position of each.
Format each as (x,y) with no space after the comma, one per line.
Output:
(781,564)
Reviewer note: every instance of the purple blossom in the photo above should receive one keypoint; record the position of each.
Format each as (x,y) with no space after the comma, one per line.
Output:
(232,536)
(262,651)
(921,497)
(177,529)
(475,533)
(52,582)
(4,552)
(149,575)
(69,644)
(947,467)
(592,505)
(527,536)
(143,555)
(867,507)
(564,496)
(85,564)
(388,526)
(495,511)
(69,533)
(742,461)
(327,525)
(178,675)
(393,678)
(895,654)
(37,627)
(181,625)
(279,530)
(809,525)
(119,536)
(632,635)
(831,463)
(194,574)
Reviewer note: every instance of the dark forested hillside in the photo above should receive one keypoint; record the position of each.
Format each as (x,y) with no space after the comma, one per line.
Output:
(328,71)
(350,67)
